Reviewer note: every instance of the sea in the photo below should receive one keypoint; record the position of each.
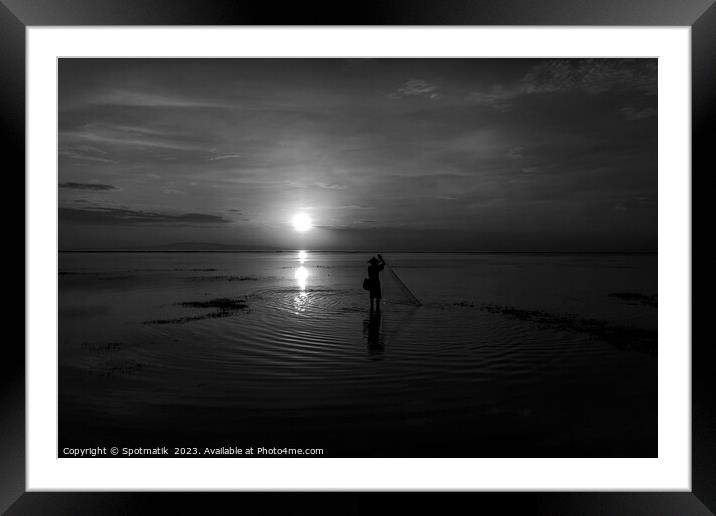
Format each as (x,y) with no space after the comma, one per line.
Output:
(502,355)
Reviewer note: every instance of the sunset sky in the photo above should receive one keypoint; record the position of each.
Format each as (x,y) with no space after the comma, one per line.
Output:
(381,154)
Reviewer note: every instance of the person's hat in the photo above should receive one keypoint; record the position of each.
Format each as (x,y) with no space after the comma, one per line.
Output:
(373,260)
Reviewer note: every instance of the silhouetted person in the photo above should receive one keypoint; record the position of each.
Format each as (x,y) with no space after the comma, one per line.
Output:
(376,265)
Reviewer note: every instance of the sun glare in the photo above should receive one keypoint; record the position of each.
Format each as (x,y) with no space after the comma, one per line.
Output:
(301,222)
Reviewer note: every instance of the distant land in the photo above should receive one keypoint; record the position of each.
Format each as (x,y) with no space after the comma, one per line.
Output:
(213,247)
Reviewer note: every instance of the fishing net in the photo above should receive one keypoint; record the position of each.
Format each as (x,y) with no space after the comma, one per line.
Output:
(394,290)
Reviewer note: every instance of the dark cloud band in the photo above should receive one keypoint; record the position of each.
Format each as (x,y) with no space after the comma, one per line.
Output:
(87,186)
(125,217)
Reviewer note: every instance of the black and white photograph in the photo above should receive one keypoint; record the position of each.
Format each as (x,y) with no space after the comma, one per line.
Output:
(379,257)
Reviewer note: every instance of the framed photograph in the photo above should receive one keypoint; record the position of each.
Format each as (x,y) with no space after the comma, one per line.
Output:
(407,251)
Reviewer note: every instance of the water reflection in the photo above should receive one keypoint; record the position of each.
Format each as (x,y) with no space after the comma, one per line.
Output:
(371,327)
(301,300)
(302,256)
(302,277)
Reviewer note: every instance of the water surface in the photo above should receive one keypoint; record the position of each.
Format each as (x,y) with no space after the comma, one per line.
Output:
(280,349)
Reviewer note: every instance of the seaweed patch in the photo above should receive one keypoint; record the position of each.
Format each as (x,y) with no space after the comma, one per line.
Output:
(635,299)
(103,347)
(117,368)
(623,337)
(224,307)
(223,304)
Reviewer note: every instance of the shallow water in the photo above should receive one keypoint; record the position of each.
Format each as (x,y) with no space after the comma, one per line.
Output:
(306,364)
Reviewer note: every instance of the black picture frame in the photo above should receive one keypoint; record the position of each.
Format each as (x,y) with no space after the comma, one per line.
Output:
(700,15)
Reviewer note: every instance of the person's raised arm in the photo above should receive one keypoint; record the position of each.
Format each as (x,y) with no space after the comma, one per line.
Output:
(382,261)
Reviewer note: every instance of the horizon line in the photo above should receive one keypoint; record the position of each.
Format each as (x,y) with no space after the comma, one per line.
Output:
(129,250)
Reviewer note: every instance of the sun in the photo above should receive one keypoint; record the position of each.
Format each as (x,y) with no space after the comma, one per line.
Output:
(301,222)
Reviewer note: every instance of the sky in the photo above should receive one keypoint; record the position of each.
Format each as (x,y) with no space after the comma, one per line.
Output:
(382,154)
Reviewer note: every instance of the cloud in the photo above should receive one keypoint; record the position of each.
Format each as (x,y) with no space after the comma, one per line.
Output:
(516,152)
(331,186)
(354,207)
(591,76)
(86,153)
(143,99)
(634,203)
(86,186)
(296,184)
(224,156)
(638,114)
(499,97)
(103,216)
(136,136)
(419,88)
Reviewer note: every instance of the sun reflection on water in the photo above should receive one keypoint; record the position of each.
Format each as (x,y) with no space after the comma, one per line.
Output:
(302,277)
(301,300)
